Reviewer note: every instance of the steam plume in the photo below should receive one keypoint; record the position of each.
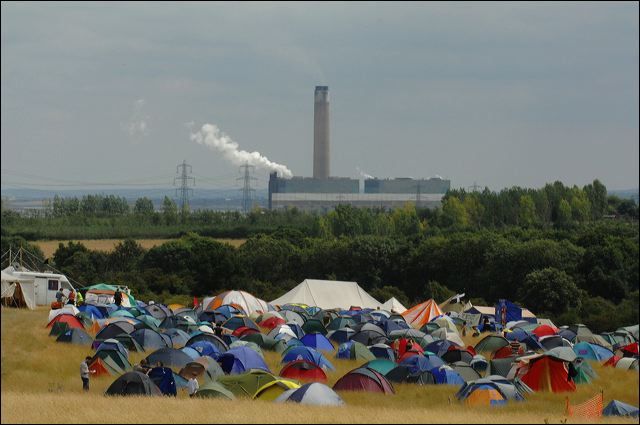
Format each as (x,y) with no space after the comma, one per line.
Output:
(211,136)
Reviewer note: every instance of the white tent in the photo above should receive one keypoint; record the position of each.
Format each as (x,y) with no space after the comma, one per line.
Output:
(18,291)
(328,294)
(393,305)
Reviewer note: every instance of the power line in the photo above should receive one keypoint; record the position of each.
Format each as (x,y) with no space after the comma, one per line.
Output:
(246,189)
(184,186)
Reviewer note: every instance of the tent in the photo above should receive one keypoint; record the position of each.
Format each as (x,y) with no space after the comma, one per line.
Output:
(75,336)
(627,363)
(242,299)
(303,370)
(314,394)
(506,311)
(214,389)
(353,350)
(246,384)
(317,341)
(491,343)
(133,383)
(150,339)
(306,353)
(364,379)
(169,357)
(272,390)
(18,291)
(508,391)
(618,408)
(164,380)
(383,351)
(421,314)
(328,294)
(241,359)
(70,320)
(103,293)
(201,336)
(547,373)
(341,335)
(205,365)
(593,352)
(393,305)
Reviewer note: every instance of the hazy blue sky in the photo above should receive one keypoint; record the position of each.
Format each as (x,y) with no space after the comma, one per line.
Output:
(502,94)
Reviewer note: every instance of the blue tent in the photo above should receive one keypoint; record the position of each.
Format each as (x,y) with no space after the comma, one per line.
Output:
(383,351)
(206,348)
(512,313)
(112,344)
(92,311)
(441,346)
(240,359)
(417,364)
(342,335)
(618,408)
(308,354)
(297,329)
(317,341)
(446,376)
(163,378)
(590,351)
(191,352)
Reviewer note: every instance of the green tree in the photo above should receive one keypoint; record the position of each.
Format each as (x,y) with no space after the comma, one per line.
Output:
(387,292)
(454,213)
(527,212)
(143,207)
(405,220)
(564,213)
(548,290)
(580,207)
(169,211)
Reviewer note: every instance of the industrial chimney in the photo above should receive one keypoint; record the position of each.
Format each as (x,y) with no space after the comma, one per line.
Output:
(321,133)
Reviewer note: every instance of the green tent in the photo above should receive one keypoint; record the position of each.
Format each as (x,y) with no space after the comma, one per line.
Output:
(314,325)
(586,374)
(491,343)
(214,389)
(383,366)
(58,329)
(263,341)
(246,384)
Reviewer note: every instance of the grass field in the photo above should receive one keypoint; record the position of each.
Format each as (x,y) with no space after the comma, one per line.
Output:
(41,384)
(50,247)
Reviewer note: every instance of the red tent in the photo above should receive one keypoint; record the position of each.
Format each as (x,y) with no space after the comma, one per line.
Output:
(303,370)
(400,347)
(272,322)
(69,319)
(545,330)
(548,374)
(630,350)
(243,330)
(364,379)
(612,361)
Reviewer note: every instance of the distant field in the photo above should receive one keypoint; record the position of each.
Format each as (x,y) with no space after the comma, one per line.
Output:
(40,381)
(49,247)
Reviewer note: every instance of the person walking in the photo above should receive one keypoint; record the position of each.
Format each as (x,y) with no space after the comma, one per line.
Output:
(85,372)
(60,297)
(118,297)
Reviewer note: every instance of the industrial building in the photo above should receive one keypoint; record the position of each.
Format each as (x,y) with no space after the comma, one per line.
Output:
(323,192)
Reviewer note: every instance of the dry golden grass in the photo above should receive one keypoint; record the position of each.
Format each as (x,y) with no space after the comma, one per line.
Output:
(107,245)
(40,381)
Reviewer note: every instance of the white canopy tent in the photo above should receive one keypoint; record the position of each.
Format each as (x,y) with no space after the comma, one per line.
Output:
(393,305)
(17,291)
(328,294)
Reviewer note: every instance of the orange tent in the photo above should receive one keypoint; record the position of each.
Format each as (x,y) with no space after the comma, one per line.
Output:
(421,314)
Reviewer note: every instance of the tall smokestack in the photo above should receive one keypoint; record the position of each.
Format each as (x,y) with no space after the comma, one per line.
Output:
(321,133)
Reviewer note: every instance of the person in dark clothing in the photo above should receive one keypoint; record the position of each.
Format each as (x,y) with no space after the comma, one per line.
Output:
(118,297)
(485,324)
(573,371)
(218,331)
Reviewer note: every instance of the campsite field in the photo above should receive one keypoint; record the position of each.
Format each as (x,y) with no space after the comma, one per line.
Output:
(41,384)
(50,247)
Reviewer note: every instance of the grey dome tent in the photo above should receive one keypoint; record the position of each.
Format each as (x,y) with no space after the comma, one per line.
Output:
(133,383)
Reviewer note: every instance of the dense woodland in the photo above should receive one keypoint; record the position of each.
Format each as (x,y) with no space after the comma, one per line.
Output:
(566,253)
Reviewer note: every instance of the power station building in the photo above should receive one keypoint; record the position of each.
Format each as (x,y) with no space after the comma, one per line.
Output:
(323,192)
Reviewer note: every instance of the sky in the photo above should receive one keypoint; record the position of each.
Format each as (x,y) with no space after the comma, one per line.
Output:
(498,94)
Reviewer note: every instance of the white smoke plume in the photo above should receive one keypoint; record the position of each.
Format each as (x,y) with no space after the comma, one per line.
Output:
(210,135)
(363,174)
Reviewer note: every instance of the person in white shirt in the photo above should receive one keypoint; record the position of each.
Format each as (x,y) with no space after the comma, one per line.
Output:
(84,373)
(192,386)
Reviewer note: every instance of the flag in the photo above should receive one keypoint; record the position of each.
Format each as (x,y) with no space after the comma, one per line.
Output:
(591,408)
(195,302)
